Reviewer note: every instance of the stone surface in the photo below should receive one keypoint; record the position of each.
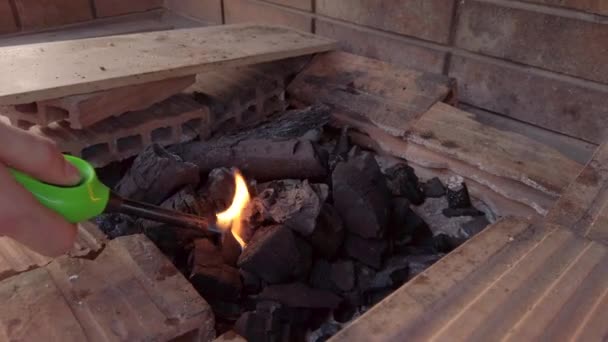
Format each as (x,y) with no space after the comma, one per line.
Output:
(238,11)
(386,48)
(543,101)
(37,14)
(428,20)
(564,45)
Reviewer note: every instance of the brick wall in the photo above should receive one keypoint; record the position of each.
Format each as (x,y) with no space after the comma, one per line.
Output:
(544,62)
(37,15)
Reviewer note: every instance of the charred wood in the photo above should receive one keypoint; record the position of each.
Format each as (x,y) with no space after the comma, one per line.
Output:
(155,175)
(210,275)
(402,181)
(270,151)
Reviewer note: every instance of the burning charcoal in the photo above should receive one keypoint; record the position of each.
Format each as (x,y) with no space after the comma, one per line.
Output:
(300,295)
(433,188)
(231,249)
(272,254)
(329,234)
(219,188)
(294,203)
(210,276)
(155,175)
(252,284)
(361,196)
(369,252)
(402,181)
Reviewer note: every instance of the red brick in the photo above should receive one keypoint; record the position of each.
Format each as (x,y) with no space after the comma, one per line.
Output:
(428,19)
(7,18)
(305,5)
(239,11)
(559,44)
(38,14)
(109,8)
(209,11)
(549,103)
(392,50)
(592,6)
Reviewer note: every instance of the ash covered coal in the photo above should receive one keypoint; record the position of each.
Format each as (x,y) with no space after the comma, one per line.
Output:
(322,244)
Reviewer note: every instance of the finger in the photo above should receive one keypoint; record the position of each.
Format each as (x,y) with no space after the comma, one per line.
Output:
(37,156)
(24,219)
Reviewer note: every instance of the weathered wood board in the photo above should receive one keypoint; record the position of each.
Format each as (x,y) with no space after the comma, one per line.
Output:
(52,70)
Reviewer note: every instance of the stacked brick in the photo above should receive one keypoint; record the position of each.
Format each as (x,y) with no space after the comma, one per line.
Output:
(544,62)
(214,102)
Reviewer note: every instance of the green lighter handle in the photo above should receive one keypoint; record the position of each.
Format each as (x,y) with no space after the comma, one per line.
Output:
(77,203)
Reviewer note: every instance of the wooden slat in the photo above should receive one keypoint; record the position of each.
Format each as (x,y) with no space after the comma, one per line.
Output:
(511,282)
(52,70)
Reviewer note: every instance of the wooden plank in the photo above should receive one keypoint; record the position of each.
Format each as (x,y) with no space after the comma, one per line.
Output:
(413,300)
(390,97)
(454,132)
(583,207)
(130,291)
(53,70)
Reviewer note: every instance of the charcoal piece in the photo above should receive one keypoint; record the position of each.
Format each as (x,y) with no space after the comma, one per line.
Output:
(342,274)
(115,225)
(319,276)
(155,175)
(272,254)
(474,226)
(374,297)
(324,332)
(418,229)
(400,228)
(231,249)
(219,188)
(340,151)
(252,284)
(339,276)
(295,204)
(300,295)
(303,267)
(421,262)
(267,152)
(457,193)
(365,277)
(393,275)
(403,182)
(210,276)
(259,327)
(368,251)
(445,243)
(348,307)
(457,212)
(361,196)
(327,238)
(224,309)
(433,188)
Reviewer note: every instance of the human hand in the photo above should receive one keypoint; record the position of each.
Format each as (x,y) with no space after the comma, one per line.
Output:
(22,217)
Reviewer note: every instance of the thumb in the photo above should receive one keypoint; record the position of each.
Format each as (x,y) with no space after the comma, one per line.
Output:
(36,156)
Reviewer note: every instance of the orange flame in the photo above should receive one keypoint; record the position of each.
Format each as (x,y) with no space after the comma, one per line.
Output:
(231,217)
